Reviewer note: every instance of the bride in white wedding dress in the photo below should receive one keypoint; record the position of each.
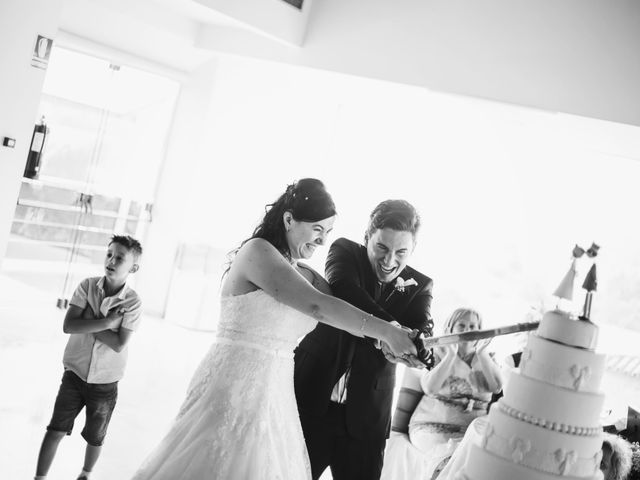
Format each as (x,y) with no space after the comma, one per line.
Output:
(240,418)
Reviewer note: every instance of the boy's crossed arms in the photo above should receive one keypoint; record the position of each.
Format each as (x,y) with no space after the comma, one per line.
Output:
(105,329)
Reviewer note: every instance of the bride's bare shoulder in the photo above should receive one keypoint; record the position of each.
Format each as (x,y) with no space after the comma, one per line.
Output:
(256,246)
(247,270)
(236,281)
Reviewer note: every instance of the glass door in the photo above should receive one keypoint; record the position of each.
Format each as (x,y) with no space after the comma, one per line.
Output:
(106,130)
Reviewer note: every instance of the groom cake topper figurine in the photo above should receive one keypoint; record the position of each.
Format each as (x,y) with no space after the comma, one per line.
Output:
(590,284)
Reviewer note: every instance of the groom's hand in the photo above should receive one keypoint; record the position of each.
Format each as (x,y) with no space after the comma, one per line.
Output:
(409,360)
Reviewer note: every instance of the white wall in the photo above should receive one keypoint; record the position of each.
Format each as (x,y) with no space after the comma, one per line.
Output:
(21,21)
(188,153)
(574,56)
(505,192)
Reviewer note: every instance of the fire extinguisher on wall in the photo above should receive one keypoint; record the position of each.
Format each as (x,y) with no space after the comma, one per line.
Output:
(40,133)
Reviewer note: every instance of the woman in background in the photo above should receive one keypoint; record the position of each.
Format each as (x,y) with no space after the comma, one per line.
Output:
(455,392)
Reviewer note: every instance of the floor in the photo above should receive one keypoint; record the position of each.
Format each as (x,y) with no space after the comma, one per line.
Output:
(31,346)
(162,357)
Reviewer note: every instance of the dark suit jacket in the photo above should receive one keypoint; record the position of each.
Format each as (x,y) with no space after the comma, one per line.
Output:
(324,355)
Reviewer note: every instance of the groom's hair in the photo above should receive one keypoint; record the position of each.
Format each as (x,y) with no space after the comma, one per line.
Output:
(397,215)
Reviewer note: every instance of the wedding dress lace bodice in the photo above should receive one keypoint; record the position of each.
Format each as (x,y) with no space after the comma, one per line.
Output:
(257,318)
(239,419)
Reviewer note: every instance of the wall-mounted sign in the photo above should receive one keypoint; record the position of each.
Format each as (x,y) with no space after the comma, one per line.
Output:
(41,52)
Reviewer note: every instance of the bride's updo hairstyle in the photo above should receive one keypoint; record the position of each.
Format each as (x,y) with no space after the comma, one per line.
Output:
(307,200)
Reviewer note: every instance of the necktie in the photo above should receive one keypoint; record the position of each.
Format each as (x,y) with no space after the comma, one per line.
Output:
(377,291)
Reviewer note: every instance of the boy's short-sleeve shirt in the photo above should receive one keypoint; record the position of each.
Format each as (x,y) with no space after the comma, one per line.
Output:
(84,355)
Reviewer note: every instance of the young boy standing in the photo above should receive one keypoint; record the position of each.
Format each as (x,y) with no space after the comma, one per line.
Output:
(103,314)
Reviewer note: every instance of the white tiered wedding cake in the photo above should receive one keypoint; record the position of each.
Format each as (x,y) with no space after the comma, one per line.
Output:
(547,425)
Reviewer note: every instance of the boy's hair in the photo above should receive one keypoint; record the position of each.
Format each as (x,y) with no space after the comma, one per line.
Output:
(397,215)
(128,242)
(620,454)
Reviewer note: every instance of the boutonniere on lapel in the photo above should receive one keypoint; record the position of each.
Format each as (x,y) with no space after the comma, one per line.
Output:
(401,284)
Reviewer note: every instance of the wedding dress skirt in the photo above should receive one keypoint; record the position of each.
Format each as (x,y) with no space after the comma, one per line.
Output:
(240,418)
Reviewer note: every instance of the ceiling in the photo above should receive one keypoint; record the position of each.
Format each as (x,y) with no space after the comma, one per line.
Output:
(162,31)
(199,13)
(535,54)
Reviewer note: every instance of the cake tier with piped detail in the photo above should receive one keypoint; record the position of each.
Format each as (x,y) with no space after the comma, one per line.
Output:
(561,327)
(553,404)
(521,439)
(547,424)
(553,363)
(484,465)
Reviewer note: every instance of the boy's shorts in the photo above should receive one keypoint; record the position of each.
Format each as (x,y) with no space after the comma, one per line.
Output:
(74,394)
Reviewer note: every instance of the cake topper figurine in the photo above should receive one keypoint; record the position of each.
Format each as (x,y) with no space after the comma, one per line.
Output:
(593,250)
(565,289)
(590,284)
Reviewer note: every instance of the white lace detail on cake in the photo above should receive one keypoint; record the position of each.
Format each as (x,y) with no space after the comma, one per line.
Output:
(519,450)
(488,431)
(575,378)
(566,460)
(541,422)
(580,375)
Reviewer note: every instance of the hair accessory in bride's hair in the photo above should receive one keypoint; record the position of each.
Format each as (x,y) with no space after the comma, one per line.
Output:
(294,188)
(309,201)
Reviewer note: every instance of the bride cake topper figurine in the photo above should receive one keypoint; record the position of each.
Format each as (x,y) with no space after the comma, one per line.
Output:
(566,287)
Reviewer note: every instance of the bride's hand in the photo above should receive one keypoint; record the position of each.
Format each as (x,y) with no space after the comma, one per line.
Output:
(400,343)
(409,361)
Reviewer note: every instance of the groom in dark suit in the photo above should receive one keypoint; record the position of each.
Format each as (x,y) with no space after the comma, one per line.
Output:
(344,384)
